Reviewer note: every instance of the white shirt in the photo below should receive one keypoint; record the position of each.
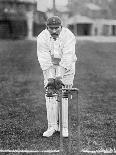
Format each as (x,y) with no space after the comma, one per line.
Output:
(63,48)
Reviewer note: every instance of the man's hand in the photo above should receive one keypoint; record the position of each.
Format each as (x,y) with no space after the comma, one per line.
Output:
(51,83)
(54,84)
(50,87)
(58,83)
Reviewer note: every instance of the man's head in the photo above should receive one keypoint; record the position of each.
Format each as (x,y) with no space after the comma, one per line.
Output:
(54,26)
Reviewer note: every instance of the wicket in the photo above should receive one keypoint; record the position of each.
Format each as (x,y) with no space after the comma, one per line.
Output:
(71,91)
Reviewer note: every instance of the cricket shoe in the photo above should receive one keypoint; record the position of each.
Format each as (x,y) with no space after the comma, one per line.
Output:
(50,131)
(65,132)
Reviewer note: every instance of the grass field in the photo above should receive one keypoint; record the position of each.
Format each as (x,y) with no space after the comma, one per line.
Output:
(22,103)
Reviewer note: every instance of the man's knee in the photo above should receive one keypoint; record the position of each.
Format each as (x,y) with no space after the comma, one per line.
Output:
(50,93)
(65,92)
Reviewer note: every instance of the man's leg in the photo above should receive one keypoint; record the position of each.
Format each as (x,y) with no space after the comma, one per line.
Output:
(51,104)
(65,111)
(52,114)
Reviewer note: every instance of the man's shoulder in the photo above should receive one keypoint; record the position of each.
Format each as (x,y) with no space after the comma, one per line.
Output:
(67,32)
(66,29)
(43,34)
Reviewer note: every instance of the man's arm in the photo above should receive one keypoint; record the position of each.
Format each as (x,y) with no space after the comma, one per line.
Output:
(43,53)
(68,51)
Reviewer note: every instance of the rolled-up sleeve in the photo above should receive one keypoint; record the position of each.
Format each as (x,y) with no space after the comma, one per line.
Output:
(43,53)
(68,56)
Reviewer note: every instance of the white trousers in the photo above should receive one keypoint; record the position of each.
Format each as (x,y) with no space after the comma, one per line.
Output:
(52,104)
(53,111)
(67,78)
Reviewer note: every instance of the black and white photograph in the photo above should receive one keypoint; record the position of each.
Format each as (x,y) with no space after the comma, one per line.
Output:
(57,77)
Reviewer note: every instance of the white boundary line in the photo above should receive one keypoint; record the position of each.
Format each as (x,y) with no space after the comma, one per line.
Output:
(100,151)
(55,151)
(29,151)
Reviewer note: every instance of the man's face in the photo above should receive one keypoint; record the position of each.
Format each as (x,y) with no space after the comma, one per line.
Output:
(54,31)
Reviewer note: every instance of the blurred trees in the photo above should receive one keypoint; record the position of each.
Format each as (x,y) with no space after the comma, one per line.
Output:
(107,8)
(112,6)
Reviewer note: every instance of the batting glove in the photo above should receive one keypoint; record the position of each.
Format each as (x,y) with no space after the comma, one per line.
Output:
(58,83)
(51,83)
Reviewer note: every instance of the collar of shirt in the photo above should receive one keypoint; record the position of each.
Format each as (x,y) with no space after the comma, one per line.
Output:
(56,47)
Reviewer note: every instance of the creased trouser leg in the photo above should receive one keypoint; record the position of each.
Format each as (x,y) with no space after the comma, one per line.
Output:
(52,112)
(65,111)
(52,116)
